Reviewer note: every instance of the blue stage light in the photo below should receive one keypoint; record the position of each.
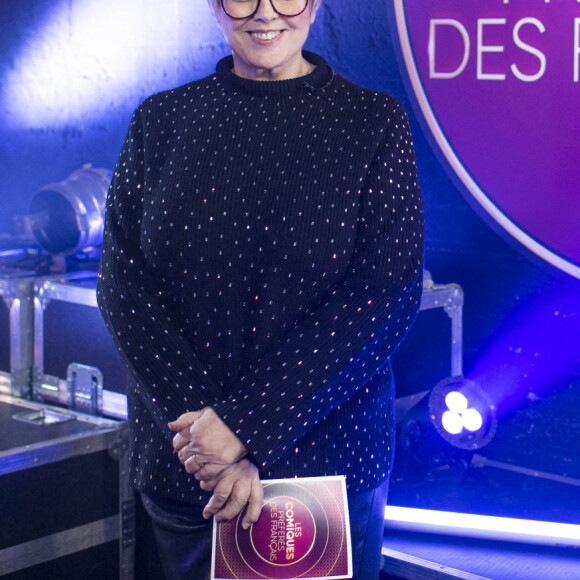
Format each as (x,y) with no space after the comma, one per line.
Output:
(452,422)
(472,420)
(462,413)
(443,426)
(456,402)
(459,415)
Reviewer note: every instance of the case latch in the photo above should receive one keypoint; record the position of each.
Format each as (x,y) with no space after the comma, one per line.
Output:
(85,385)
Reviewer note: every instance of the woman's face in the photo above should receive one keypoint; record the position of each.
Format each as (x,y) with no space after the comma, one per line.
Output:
(267,46)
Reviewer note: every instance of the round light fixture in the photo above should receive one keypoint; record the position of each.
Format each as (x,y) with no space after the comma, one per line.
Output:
(68,217)
(462,413)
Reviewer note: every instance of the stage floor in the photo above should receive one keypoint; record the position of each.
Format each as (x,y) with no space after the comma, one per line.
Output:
(428,557)
(530,470)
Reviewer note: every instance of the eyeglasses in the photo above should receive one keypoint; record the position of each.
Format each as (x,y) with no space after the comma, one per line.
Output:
(241,9)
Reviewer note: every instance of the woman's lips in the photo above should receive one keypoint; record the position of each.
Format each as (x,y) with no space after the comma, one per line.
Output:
(266,36)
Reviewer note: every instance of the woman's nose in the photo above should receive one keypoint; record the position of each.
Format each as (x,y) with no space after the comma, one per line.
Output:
(265,11)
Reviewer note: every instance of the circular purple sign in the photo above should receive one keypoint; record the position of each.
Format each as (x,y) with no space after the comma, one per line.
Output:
(284,536)
(498,83)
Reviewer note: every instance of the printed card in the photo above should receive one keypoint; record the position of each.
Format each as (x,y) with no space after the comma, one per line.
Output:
(302,532)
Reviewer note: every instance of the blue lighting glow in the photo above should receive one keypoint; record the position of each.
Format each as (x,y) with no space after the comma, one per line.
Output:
(489,527)
(534,352)
(88,57)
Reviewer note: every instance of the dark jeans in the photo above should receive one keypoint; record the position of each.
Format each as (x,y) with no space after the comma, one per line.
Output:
(184,538)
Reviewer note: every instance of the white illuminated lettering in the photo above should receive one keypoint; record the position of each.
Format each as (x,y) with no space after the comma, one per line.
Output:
(482,48)
(576,48)
(433,48)
(531,49)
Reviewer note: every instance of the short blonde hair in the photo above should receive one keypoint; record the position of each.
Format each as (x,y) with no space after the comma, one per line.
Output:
(215,4)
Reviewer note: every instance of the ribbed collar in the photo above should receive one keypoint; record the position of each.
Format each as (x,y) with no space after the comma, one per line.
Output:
(319,78)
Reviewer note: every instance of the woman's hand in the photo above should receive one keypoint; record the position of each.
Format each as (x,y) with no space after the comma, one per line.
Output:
(236,486)
(211,452)
(203,438)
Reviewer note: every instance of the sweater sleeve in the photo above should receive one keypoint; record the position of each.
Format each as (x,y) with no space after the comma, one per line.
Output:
(341,344)
(169,378)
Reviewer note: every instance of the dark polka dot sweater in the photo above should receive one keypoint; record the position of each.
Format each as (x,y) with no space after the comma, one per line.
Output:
(263,255)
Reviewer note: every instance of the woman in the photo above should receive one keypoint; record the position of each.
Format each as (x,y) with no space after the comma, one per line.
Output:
(262,260)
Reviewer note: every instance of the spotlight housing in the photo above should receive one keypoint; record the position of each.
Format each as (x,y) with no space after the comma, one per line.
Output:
(68,217)
(462,413)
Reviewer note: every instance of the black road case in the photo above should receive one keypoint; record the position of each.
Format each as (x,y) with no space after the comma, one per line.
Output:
(76,363)
(66,505)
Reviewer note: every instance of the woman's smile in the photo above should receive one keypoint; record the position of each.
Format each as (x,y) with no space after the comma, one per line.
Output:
(268,46)
(266,36)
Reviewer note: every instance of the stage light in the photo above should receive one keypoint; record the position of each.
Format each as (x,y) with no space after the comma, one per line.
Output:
(68,217)
(442,427)
(472,420)
(459,415)
(484,527)
(456,402)
(462,413)
(452,422)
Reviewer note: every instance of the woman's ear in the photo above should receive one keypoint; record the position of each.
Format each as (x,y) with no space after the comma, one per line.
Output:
(313,13)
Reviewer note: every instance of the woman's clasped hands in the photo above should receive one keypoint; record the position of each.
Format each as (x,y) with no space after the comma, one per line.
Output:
(212,453)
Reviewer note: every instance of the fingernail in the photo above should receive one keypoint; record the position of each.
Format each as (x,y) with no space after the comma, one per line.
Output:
(245,525)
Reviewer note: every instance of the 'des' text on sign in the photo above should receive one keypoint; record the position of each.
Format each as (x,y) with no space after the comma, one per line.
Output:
(497,83)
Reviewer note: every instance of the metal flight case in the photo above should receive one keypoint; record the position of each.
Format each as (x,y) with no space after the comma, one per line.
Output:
(75,361)
(76,365)
(67,507)
(66,503)
(16,332)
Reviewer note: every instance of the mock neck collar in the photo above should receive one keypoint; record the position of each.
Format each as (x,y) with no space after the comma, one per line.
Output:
(318,79)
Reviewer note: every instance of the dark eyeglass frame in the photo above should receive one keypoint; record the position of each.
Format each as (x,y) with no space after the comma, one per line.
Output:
(258,6)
